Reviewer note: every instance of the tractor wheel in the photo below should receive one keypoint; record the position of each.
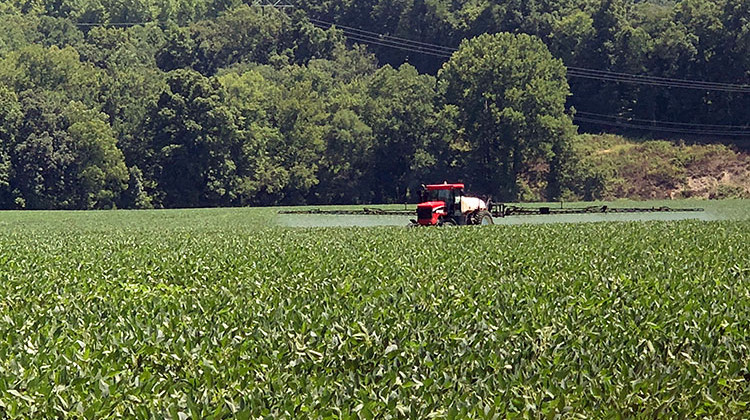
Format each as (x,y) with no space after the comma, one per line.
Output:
(448,222)
(483,217)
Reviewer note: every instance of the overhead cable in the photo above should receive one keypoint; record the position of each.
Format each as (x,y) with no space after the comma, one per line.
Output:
(667,79)
(441,51)
(718,133)
(448,50)
(654,81)
(386,44)
(682,124)
(114,23)
(361,35)
(386,41)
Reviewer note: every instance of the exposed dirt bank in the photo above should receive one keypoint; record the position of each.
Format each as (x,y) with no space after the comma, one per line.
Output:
(659,169)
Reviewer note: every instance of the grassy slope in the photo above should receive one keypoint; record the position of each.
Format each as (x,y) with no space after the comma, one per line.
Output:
(153,313)
(662,169)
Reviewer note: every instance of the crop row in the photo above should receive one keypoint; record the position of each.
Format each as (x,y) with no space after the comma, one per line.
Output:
(152,321)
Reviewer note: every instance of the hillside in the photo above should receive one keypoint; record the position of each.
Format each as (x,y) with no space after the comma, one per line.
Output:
(657,169)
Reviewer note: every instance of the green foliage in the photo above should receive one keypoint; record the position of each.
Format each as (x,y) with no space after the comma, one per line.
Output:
(99,164)
(349,150)
(245,35)
(299,113)
(64,156)
(280,110)
(37,68)
(401,113)
(571,35)
(217,314)
(194,135)
(136,195)
(725,191)
(687,39)
(10,118)
(261,175)
(107,11)
(17,31)
(608,166)
(510,94)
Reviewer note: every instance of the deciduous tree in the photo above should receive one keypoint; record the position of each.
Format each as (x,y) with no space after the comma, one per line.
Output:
(510,96)
(192,132)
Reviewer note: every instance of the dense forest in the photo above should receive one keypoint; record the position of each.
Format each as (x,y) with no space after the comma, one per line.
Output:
(186,103)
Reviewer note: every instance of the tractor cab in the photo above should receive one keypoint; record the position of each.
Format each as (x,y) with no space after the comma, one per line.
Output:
(446,204)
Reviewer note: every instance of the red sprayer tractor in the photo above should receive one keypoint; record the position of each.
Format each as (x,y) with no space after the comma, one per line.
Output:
(447,205)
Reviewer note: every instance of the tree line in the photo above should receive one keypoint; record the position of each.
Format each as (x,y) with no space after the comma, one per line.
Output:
(703,40)
(188,103)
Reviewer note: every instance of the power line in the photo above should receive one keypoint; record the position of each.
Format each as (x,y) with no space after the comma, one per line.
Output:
(441,51)
(657,78)
(373,42)
(695,125)
(116,23)
(384,41)
(392,44)
(432,49)
(271,3)
(646,80)
(380,39)
(384,44)
(445,49)
(717,133)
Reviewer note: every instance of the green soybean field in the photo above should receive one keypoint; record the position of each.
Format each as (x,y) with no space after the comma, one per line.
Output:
(228,313)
